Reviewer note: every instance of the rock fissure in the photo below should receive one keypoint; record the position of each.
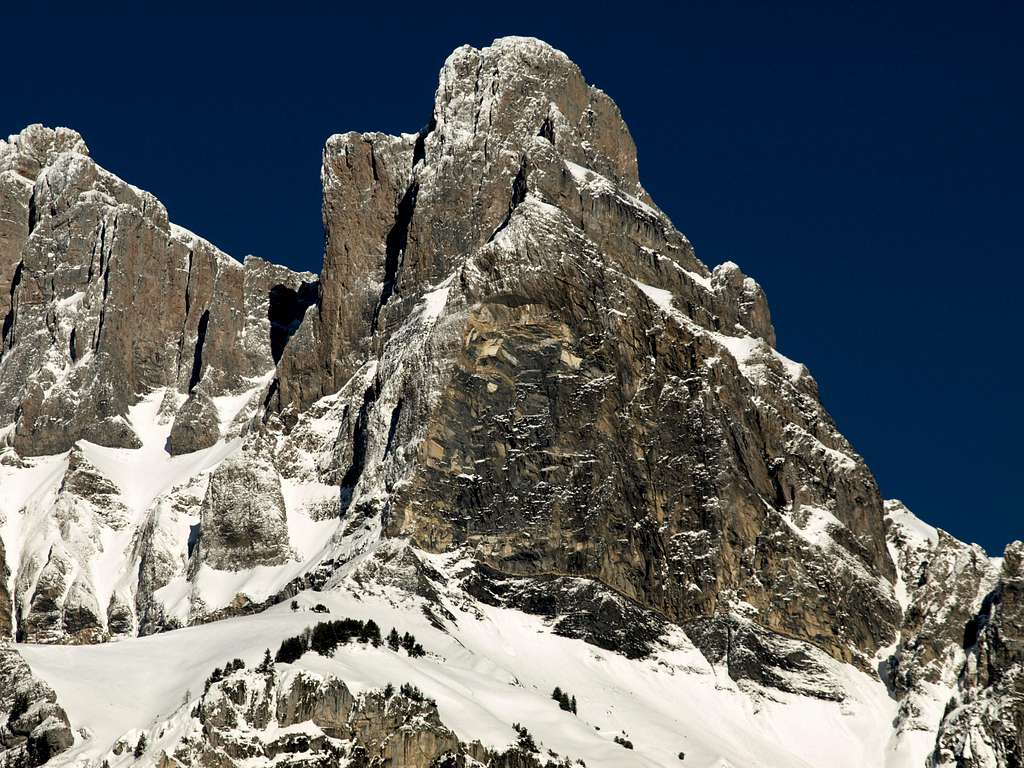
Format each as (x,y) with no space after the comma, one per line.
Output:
(197,355)
(394,249)
(360,439)
(7,340)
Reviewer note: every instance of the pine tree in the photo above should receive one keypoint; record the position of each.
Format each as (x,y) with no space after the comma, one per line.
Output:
(525,740)
(394,640)
(291,650)
(372,632)
(322,640)
(408,642)
(216,676)
(410,691)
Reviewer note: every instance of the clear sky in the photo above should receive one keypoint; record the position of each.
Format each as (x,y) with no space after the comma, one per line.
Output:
(863,161)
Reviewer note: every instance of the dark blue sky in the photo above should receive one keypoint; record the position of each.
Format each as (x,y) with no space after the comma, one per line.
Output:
(863,162)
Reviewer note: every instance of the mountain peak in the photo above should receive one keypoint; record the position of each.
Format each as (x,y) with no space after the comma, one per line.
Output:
(503,95)
(36,146)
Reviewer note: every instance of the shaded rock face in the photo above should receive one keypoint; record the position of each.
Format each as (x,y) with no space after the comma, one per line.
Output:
(35,728)
(6,613)
(984,721)
(579,608)
(749,654)
(293,717)
(196,426)
(244,521)
(365,178)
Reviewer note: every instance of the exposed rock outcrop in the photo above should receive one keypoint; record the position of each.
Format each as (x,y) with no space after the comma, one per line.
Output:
(525,355)
(55,595)
(196,426)
(983,724)
(954,669)
(244,521)
(34,726)
(288,717)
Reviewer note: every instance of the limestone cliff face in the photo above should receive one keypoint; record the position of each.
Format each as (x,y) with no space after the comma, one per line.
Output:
(244,521)
(104,303)
(527,355)
(106,299)
(594,401)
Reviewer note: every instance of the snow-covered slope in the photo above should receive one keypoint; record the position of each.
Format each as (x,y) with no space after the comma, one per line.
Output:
(487,668)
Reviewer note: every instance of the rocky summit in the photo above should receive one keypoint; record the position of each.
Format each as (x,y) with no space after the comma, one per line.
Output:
(515,481)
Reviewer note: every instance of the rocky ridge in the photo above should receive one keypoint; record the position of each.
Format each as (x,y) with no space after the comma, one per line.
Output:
(957,667)
(290,717)
(35,727)
(510,353)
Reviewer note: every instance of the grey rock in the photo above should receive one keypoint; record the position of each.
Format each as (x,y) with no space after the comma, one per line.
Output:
(327,703)
(35,726)
(578,608)
(6,612)
(365,178)
(196,426)
(59,606)
(511,351)
(55,598)
(243,717)
(984,722)
(487,336)
(749,653)
(958,664)
(244,521)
